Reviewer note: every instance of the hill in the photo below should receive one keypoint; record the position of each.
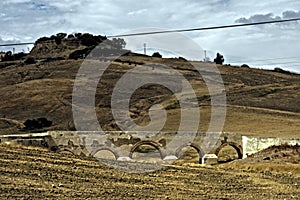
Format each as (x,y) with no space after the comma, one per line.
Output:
(44,88)
(37,96)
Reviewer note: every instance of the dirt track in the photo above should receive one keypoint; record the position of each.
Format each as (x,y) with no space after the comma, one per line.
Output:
(28,173)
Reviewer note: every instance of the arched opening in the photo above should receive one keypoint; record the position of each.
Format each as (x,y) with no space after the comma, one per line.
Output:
(146,151)
(66,151)
(189,153)
(228,152)
(105,154)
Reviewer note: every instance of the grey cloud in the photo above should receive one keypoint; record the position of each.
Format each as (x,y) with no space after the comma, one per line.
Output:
(268,17)
(9,41)
(28,20)
(291,14)
(258,18)
(3,41)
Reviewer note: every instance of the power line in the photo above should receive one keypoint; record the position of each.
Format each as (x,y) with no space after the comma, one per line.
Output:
(206,28)
(183,30)
(268,59)
(16,44)
(283,63)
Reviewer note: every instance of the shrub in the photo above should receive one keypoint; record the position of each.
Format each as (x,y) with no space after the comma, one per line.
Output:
(80,53)
(156,55)
(37,123)
(182,58)
(118,43)
(245,66)
(89,42)
(77,35)
(43,39)
(61,35)
(8,56)
(29,61)
(219,60)
(279,70)
(57,40)
(71,36)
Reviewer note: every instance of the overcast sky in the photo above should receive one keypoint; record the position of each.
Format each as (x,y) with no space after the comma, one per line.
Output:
(27,20)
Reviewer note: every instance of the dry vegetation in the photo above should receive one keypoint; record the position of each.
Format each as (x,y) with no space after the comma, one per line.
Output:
(281,159)
(259,103)
(28,173)
(253,96)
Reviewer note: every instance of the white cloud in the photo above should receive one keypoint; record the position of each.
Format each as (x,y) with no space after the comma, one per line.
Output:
(138,12)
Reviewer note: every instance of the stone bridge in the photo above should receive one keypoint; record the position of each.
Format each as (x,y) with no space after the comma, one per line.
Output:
(123,144)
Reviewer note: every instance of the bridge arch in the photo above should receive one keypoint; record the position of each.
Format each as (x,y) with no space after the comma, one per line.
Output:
(116,155)
(237,148)
(150,143)
(62,149)
(200,152)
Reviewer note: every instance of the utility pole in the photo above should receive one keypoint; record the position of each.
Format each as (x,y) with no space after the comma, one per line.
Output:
(205,56)
(145,48)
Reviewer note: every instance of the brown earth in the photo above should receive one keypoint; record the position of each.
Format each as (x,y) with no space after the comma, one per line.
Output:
(259,103)
(30,173)
(283,159)
(253,96)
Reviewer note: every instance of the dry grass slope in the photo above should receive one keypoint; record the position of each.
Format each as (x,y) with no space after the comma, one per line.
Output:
(253,96)
(260,103)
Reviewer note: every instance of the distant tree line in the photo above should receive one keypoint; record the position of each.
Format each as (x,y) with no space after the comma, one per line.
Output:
(113,46)
(86,39)
(9,56)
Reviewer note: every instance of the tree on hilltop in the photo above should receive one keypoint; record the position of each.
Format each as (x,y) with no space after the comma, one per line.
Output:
(118,43)
(156,55)
(61,35)
(219,60)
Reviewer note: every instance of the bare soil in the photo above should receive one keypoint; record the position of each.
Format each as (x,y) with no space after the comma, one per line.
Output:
(283,159)
(259,103)
(31,173)
(253,96)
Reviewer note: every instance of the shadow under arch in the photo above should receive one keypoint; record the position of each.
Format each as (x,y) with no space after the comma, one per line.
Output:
(237,148)
(66,149)
(116,155)
(178,152)
(150,143)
